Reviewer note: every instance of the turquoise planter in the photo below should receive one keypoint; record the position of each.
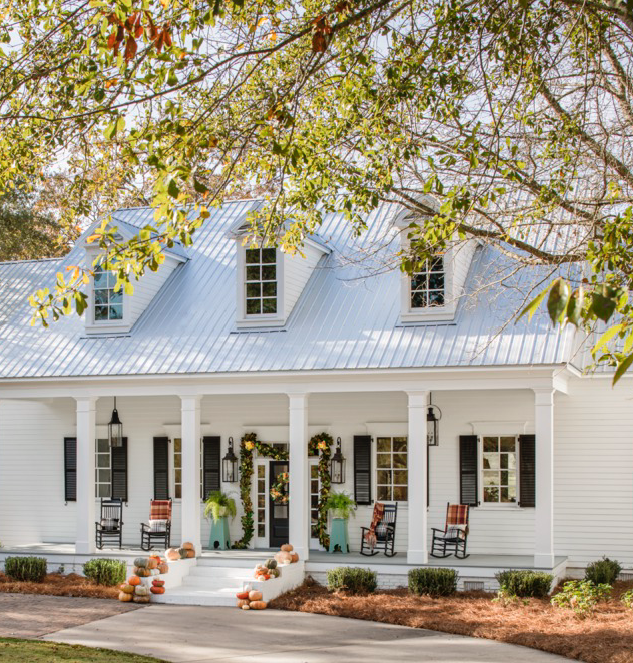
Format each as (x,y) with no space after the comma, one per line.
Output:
(219,536)
(338,536)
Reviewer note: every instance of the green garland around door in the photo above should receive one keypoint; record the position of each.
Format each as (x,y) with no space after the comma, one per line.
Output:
(318,445)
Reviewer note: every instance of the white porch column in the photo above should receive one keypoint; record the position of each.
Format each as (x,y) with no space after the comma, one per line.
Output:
(190,496)
(417,552)
(544,470)
(299,477)
(86,434)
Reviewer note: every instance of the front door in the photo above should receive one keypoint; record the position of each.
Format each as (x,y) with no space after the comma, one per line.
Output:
(279,520)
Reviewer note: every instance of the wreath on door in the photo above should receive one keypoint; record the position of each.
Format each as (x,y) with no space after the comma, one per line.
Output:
(279,490)
(320,444)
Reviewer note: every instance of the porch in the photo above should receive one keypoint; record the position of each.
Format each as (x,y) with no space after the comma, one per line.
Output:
(475,572)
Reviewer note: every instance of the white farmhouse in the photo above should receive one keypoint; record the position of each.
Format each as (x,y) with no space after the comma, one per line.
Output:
(224,340)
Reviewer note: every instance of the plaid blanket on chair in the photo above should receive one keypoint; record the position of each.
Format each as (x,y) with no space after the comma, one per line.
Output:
(160,510)
(379,512)
(457,520)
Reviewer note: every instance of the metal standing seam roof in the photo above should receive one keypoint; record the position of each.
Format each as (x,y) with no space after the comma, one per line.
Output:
(346,318)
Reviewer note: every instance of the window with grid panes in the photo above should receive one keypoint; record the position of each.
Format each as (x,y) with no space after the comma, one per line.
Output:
(391,469)
(499,469)
(108,304)
(427,285)
(261,281)
(102,468)
(177,468)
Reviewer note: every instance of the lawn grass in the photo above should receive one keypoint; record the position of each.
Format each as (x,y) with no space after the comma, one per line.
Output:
(36,651)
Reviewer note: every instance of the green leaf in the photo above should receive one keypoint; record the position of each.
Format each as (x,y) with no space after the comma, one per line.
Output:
(532,307)
(199,187)
(575,305)
(172,189)
(623,367)
(606,337)
(557,300)
(603,306)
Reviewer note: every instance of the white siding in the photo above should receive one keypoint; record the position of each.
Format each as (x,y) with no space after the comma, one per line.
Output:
(147,286)
(297,271)
(462,256)
(593,490)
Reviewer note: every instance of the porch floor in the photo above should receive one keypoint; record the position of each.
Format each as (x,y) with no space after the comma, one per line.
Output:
(318,560)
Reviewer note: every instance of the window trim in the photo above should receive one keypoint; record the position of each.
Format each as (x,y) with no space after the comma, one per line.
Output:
(245,320)
(429,313)
(480,472)
(380,429)
(94,326)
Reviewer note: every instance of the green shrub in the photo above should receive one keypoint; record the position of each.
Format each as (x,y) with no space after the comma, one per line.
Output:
(581,596)
(524,583)
(627,598)
(29,569)
(603,572)
(434,582)
(105,571)
(352,580)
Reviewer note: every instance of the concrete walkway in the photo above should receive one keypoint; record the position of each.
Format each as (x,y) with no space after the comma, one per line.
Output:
(228,635)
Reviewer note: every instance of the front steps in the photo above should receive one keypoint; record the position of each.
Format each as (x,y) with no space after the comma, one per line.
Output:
(210,584)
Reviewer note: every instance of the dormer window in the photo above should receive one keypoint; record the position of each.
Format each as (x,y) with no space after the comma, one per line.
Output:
(428,285)
(108,304)
(261,281)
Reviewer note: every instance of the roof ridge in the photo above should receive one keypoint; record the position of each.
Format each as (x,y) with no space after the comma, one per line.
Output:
(225,202)
(25,260)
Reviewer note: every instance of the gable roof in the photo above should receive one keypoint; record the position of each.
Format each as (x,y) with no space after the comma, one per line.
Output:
(346,318)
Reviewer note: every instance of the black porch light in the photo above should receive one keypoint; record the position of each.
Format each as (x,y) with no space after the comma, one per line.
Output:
(229,465)
(432,425)
(337,464)
(115,428)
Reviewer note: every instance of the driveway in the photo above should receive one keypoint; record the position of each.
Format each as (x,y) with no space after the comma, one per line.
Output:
(228,635)
(33,615)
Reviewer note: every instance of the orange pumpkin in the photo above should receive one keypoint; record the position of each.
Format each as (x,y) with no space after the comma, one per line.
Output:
(259,605)
(254,595)
(242,602)
(134,581)
(187,545)
(126,589)
(157,590)
(294,557)
(172,554)
(287,547)
(242,595)
(163,568)
(124,597)
(152,563)
(158,583)
(191,553)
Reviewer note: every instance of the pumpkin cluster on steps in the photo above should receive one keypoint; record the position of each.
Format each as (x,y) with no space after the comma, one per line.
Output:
(144,567)
(269,570)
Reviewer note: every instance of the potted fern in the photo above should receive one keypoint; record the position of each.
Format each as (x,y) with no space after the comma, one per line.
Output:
(217,508)
(340,505)
(219,505)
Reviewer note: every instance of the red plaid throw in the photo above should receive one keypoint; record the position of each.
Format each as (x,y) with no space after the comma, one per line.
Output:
(457,520)
(160,510)
(379,512)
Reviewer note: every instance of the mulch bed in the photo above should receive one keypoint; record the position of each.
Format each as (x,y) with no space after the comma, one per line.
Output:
(605,637)
(56,584)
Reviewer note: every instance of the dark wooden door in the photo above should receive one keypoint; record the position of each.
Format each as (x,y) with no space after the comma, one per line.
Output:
(279,520)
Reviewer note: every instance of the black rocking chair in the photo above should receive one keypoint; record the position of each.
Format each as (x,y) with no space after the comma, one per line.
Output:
(159,526)
(110,525)
(385,532)
(453,538)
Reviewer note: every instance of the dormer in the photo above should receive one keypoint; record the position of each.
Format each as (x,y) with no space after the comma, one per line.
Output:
(270,281)
(115,312)
(433,291)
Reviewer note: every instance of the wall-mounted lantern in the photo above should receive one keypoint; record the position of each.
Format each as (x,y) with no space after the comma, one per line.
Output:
(337,465)
(229,465)
(115,428)
(432,424)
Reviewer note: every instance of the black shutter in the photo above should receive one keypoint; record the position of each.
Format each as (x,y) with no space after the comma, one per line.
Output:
(527,470)
(468,478)
(70,469)
(118,467)
(362,469)
(210,465)
(161,468)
